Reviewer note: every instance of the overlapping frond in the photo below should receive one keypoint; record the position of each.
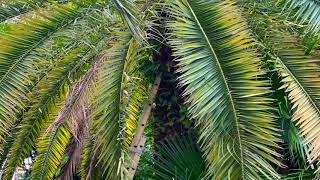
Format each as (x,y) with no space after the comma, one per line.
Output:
(307,11)
(111,106)
(14,8)
(298,151)
(107,109)
(50,149)
(131,15)
(300,77)
(52,87)
(225,88)
(16,69)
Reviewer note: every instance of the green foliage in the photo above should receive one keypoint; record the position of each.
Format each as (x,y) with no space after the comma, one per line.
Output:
(225,88)
(307,12)
(76,74)
(50,149)
(179,158)
(10,9)
(17,70)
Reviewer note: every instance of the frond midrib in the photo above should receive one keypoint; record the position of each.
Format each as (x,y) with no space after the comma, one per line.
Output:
(46,154)
(52,95)
(314,104)
(225,83)
(24,55)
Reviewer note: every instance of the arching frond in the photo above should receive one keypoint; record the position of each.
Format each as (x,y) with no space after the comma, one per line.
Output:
(300,78)
(225,88)
(110,106)
(16,70)
(53,87)
(107,105)
(50,149)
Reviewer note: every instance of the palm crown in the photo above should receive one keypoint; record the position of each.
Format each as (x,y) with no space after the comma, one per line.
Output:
(234,87)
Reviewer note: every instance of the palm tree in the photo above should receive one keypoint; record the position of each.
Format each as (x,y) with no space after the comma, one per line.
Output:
(159,89)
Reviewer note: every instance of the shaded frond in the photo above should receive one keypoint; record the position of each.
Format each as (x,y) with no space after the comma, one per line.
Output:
(131,15)
(307,11)
(225,89)
(301,81)
(50,149)
(179,158)
(300,174)
(298,151)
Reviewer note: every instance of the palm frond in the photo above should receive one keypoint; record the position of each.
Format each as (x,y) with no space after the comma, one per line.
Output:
(53,87)
(106,114)
(179,158)
(50,148)
(132,17)
(300,78)
(110,106)
(16,70)
(225,88)
(307,11)
(298,151)
(15,8)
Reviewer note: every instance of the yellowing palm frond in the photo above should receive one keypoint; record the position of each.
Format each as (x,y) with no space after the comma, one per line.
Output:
(50,148)
(301,80)
(16,69)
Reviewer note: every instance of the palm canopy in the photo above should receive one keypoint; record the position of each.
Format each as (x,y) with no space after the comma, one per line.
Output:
(76,89)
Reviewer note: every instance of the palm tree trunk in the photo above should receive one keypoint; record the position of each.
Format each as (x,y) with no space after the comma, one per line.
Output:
(139,139)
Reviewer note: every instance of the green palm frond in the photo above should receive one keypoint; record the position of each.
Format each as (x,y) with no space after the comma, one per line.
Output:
(179,158)
(298,151)
(15,8)
(306,11)
(106,114)
(107,108)
(50,150)
(51,88)
(226,91)
(300,78)
(300,174)
(111,105)
(132,17)
(16,69)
